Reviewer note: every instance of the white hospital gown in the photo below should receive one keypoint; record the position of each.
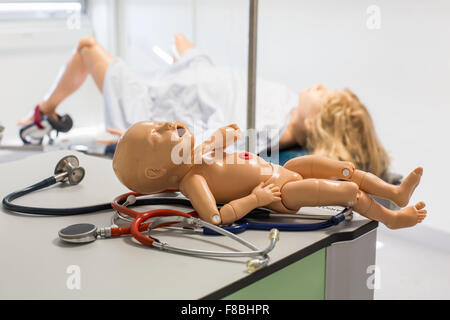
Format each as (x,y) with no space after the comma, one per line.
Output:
(198,93)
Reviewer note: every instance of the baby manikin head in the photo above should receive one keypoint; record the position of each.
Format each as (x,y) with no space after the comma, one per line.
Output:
(153,156)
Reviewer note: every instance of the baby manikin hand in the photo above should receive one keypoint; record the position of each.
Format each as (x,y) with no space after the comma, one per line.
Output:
(266,194)
(232,132)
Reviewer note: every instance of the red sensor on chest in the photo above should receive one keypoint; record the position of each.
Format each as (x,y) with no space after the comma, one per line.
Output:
(245,155)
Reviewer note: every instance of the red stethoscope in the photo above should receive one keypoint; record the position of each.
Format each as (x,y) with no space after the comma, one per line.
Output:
(142,223)
(139,224)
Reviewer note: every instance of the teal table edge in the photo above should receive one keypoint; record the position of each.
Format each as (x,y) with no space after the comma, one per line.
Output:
(289,261)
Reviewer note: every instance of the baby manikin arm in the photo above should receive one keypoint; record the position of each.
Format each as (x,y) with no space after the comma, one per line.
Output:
(236,209)
(198,192)
(261,195)
(220,139)
(196,189)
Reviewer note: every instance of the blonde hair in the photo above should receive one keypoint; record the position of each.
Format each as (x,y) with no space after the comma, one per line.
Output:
(344,130)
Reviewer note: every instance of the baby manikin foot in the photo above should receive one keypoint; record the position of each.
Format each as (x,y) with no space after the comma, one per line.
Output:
(407,187)
(408,217)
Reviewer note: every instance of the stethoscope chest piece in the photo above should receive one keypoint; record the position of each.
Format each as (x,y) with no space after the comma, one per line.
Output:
(79,233)
(69,168)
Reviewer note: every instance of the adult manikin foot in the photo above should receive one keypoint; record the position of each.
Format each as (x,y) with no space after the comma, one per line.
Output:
(45,110)
(182,44)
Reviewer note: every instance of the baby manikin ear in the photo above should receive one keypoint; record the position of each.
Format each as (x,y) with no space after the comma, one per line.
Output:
(152,173)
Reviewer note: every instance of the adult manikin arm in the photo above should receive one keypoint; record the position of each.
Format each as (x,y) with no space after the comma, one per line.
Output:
(287,140)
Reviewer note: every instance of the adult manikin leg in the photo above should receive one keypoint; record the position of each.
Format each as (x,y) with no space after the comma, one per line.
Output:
(89,59)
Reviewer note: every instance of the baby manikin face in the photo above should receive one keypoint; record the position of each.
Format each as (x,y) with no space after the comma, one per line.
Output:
(165,138)
(170,133)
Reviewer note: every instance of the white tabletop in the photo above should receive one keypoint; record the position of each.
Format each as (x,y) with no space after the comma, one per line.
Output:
(34,262)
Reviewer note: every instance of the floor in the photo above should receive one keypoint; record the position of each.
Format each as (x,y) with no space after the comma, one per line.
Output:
(410,270)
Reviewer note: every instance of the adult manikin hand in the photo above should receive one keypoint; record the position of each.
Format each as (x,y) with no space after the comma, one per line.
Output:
(108,142)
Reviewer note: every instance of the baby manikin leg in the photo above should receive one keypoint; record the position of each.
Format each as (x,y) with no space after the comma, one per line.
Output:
(318,192)
(406,217)
(401,194)
(324,168)
(320,167)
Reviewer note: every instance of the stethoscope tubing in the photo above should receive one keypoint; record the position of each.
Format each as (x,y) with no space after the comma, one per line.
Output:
(8,205)
(7,202)
(245,224)
(165,218)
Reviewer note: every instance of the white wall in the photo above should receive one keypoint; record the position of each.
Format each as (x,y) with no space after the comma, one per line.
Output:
(400,71)
(31,55)
(219,28)
(103,20)
(222,31)
(145,24)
